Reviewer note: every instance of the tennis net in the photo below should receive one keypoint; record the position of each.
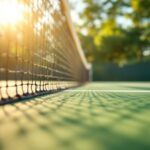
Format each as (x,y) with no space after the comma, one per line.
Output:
(39,50)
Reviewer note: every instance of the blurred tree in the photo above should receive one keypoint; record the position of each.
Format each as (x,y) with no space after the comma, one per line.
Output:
(105,39)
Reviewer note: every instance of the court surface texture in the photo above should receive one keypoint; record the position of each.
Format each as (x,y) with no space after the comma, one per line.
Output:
(95,116)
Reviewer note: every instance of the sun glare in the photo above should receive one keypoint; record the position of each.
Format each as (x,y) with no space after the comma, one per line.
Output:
(10,12)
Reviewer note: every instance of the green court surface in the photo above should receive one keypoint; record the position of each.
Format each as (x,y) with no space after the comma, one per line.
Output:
(96,116)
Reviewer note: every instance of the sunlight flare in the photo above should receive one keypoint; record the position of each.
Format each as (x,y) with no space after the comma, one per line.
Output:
(10,12)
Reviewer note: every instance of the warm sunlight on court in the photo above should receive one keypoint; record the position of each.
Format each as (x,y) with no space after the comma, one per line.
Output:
(10,12)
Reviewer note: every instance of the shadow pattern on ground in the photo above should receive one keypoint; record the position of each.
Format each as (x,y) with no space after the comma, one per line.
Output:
(77,121)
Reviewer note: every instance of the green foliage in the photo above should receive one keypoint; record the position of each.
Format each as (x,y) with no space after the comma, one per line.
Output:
(108,41)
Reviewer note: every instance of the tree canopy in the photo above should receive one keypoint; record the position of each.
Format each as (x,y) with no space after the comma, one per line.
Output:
(115,30)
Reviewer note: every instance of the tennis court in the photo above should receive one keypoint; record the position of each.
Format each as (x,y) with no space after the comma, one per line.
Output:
(80,118)
(47,101)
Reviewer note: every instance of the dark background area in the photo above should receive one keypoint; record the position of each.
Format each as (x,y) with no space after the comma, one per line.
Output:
(112,72)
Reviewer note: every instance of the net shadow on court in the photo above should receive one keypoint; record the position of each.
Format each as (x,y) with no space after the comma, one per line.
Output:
(78,120)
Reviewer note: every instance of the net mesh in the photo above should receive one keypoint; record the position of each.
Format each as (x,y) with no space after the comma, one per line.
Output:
(38,53)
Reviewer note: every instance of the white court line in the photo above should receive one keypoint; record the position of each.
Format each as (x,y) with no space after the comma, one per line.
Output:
(118,91)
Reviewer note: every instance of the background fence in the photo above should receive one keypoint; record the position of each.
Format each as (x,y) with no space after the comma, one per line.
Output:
(112,72)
